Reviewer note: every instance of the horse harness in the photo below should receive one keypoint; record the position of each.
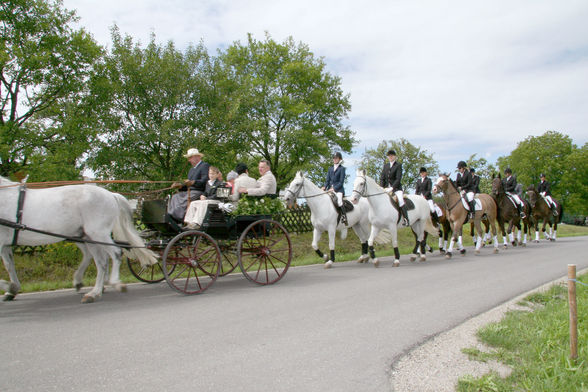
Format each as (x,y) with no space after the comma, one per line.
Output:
(18,226)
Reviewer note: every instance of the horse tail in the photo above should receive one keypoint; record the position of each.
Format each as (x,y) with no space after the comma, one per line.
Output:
(124,230)
(430,228)
(383,237)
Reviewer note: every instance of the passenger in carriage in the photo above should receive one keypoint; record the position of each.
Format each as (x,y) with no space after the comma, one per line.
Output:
(475,180)
(265,185)
(544,190)
(197,208)
(231,177)
(510,187)
(242,181)
(424,186)
(335,181)
(466,186)
(194,185)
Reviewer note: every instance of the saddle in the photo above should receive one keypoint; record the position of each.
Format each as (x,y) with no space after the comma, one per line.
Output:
(407,202)
(347,206)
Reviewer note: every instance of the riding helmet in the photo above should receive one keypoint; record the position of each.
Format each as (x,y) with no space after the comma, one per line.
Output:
(461,164)
(423,170)
(391,152)
(507,171)
(338,155)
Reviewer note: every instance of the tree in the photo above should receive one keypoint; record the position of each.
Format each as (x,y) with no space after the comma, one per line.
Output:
(555,155)
(154,110)
(411,157)
(484,170)
(285,107)
(44,65)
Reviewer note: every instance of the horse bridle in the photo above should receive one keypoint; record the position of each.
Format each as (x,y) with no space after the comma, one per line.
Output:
(449,194)
(364,188)
(295,194)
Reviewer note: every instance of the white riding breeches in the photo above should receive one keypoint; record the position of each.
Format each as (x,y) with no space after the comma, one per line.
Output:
(431,205)
(516,198)
(548,199)
(400,196)
(470,196)
(339,198)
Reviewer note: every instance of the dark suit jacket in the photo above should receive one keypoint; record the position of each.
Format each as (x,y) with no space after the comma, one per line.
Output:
(544,187)
(476,182)
(210,190)
(464,181)
(424,187)
(510,184)
(392,176)
(199,174)
(335,179)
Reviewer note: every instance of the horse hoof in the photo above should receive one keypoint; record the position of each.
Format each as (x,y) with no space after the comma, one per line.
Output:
(423,258)
(325,258)
(121,287)
(412,258)
(463,252)
(87,299)
(505,247)
(448,255)
(8,297)
(524,245)
(328,264)
(495,250)
(536,241)
(396,263)
(78,286)
(442,251)
(477,251)
(376,263)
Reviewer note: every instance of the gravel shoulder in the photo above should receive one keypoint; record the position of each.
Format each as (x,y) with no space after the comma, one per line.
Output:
(437,364)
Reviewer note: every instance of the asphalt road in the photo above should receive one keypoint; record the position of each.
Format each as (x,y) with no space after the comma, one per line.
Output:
(316,330)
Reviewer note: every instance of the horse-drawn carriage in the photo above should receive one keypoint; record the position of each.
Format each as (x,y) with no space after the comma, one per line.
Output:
(192,260)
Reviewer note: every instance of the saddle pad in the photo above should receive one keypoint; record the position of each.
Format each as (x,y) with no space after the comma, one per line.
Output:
(409,203)
(467,206)
(347,205)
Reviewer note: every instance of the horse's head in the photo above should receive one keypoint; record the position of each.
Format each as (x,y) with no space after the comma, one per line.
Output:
(359,186)
(441,183)
(293,190)
(497,187)
(532,193)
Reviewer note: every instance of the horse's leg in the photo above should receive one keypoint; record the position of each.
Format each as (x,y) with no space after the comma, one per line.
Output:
(100,257)
(13,287)
(363,237)
(316,237)
(510,233)
(478,242)
(442,235)
(332,233)
(114,280)
(78,277)
(373,234)
(424,246)
(413,256)
(492,223)
(553,237)
(454,237)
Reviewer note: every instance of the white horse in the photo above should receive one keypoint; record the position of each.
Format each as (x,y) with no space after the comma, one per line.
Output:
(323,216)
(82,212)
(383,215)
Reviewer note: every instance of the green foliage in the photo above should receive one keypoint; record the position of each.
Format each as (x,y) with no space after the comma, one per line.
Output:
(45,65)
(564,164)
(536,346)
(412,158)
(484,170)
(251,205)
(285,107)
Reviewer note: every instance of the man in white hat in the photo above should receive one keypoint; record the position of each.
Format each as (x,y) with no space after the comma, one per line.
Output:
(196,182)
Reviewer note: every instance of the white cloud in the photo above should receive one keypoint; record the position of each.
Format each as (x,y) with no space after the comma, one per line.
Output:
(457,77)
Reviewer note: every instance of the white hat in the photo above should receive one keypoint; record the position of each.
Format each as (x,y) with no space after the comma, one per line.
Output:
(192,152)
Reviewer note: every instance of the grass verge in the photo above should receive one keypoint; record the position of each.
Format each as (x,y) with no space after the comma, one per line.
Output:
(54,268)
(535,345)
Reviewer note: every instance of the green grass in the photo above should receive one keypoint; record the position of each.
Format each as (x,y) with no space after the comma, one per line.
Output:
(535,344)
(54,268)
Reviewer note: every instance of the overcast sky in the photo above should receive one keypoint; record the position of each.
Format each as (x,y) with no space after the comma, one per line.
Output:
(454,77)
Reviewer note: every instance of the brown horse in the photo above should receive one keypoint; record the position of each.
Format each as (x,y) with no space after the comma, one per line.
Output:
(458,214)
(542,211)
(508,212)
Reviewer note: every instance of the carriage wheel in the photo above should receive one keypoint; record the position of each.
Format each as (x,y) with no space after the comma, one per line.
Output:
(149,274)
(191,262)
(264,252)
(228,256)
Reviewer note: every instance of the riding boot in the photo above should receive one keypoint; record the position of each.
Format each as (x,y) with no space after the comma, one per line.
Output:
(435,218)
(343,215)
(521,212)
(554,210)
(472,205)
(405,214)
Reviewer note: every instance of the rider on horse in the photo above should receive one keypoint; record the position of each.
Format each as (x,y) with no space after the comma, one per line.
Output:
(466,186)
(544,190)
(390,180)
(475,180)
(510,185)
(424,185)
(335,181)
